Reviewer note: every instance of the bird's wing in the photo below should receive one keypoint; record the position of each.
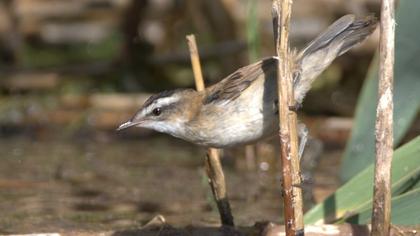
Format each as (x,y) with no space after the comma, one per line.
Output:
(232,86)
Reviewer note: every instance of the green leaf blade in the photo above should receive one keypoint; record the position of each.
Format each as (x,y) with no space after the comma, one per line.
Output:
(360,150)
(404,210)
(356,194)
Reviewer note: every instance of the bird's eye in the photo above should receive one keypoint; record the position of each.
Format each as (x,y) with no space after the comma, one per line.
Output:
(156,111)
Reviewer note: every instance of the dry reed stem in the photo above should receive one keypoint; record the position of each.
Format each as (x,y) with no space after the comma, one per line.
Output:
(213,166)
(292,193)
(381,212)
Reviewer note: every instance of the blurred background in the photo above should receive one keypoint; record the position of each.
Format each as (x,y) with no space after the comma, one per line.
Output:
(72,71)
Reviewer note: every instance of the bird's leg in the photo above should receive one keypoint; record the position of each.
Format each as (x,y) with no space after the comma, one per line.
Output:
(302,130)
(297,104)
(303,136)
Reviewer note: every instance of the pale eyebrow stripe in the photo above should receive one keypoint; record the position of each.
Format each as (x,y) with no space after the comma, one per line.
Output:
(161,102)
(167,101)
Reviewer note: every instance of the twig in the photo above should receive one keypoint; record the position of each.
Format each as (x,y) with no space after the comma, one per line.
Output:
(292,194)
(218,186)
(213,167)
(381,212)
(195,62)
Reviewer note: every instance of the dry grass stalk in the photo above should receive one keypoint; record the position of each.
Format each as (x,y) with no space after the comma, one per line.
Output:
(292,193)
(213,166)
(381,212)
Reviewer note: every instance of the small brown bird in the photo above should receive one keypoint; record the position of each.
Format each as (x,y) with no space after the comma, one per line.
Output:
(242,108)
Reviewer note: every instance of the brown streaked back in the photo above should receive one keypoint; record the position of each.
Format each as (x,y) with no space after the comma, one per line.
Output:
(232,86)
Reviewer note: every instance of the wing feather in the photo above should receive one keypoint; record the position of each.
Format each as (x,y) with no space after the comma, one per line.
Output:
(233,85)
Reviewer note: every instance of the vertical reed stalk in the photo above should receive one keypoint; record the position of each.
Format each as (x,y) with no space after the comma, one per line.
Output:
(213,166)
(381,212)
(292,193)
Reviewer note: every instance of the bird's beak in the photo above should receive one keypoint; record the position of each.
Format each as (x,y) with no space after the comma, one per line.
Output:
(127,124)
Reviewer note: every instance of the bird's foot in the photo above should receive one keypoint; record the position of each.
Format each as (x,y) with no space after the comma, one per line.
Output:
(295,107)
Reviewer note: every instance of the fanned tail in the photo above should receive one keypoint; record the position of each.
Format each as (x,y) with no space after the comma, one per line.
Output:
(342,35)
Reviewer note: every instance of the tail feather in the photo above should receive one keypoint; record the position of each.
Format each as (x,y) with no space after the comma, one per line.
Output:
(342,35)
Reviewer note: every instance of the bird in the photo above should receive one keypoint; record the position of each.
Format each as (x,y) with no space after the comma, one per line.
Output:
(242,108)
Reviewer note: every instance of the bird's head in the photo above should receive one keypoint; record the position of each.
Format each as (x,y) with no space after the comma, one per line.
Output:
(165,112)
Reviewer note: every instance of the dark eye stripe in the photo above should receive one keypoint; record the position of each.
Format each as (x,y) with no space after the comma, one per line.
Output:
(163,109)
